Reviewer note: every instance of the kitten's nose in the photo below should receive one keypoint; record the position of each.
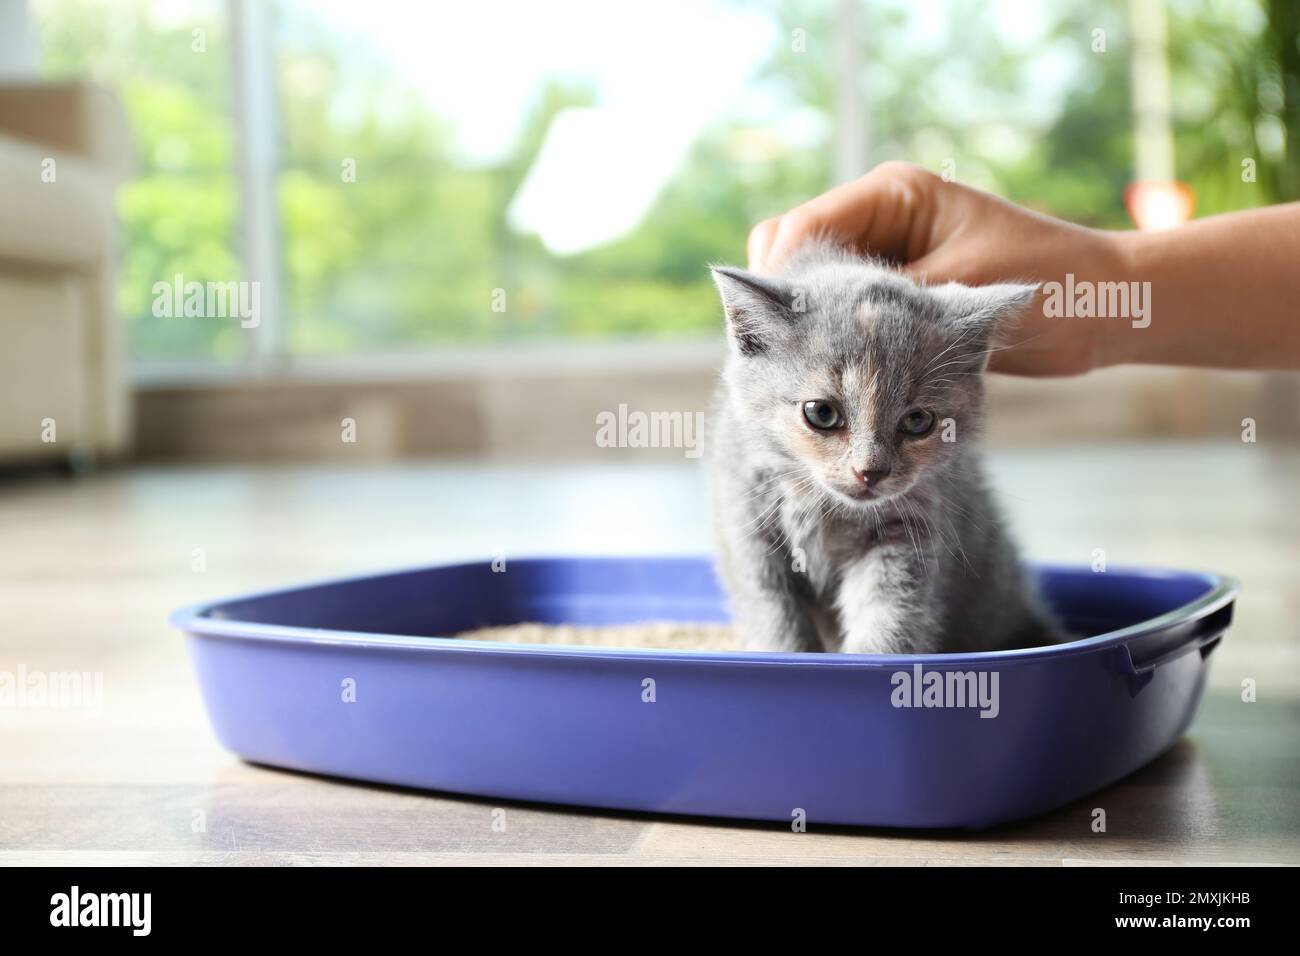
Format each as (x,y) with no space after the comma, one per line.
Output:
(871,476)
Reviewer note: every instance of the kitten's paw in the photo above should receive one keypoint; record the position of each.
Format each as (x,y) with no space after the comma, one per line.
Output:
(888,644)
(890,629)
(784,643)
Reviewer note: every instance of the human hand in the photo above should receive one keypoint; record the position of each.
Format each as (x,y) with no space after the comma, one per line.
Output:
(940,231)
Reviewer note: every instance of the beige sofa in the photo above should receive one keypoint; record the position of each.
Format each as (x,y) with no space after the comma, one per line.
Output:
(63,150)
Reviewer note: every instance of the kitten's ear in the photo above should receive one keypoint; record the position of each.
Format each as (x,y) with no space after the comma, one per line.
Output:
(978,312)
(757,307)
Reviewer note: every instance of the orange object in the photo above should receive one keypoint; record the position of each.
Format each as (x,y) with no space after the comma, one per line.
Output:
(1159,205)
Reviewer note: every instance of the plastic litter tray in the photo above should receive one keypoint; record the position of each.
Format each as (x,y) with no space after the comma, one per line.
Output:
(840,739)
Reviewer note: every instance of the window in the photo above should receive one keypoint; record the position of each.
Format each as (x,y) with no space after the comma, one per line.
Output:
(507,172)
(521,170)
(179,212)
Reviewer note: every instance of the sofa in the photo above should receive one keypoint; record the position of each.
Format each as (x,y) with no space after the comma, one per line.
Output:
(64,148)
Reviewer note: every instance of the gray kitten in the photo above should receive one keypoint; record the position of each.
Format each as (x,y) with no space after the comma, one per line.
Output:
(849,491)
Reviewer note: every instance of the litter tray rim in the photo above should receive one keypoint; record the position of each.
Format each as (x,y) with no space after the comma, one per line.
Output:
(194,620)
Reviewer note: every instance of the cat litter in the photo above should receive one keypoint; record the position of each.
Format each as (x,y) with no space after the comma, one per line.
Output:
(351,678)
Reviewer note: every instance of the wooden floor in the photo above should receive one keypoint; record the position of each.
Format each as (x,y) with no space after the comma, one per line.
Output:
(90,567)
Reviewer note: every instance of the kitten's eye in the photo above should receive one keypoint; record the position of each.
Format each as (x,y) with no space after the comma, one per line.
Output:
(822,415)
(917,422)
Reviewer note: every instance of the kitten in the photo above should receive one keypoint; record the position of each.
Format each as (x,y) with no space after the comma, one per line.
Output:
(849,493)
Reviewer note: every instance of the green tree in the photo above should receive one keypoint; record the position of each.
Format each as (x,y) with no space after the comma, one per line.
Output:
(407,256)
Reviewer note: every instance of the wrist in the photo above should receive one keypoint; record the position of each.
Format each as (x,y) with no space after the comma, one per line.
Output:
(1117,259)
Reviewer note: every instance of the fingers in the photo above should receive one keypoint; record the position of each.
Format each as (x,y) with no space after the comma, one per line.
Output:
(884,213)
(760,241)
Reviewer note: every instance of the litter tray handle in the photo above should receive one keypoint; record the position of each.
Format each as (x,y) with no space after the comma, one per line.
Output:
(1143,656)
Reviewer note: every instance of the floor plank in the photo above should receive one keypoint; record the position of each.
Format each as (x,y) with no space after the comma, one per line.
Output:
(90,568)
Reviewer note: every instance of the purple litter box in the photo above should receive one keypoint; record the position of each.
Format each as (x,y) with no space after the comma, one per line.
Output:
(847,739)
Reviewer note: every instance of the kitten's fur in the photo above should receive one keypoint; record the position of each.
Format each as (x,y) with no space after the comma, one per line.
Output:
(923,566)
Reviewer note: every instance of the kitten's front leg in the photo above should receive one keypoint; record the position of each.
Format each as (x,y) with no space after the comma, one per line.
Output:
(885,606)
(772,619)
(765,597)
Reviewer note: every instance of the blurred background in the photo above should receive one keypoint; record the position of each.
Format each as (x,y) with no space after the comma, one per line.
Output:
(472,228)
(447,207)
